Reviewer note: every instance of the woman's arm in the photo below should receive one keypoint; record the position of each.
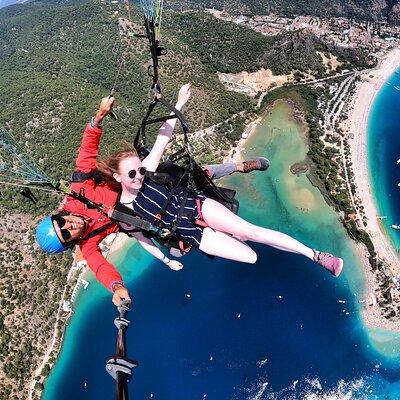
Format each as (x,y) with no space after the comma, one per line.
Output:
(165,133)
(149,246)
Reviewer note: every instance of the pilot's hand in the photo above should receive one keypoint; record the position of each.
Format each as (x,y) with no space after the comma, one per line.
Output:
(120,294)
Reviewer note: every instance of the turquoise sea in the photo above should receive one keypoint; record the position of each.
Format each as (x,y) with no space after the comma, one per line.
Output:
(384,151)
(220,330)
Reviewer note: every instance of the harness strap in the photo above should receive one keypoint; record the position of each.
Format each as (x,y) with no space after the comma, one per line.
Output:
(178,217)
(99,230)
(87,202)
(124,214)
(79,176)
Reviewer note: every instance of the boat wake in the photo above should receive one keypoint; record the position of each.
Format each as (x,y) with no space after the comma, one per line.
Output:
(312,389)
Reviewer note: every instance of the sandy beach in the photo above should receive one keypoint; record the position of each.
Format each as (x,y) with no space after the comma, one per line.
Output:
(366,92)
(238,153)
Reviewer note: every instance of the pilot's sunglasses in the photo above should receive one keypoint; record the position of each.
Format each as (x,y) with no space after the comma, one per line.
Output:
(65,233)
(132,173)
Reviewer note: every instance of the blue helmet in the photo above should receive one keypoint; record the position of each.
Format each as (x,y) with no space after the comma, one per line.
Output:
(47,238)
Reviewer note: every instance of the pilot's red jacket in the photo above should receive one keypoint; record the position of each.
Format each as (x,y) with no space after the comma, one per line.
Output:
(100,193)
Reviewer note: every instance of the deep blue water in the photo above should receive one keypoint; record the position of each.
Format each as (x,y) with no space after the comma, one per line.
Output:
(281,328)
(303,333)
(384,151)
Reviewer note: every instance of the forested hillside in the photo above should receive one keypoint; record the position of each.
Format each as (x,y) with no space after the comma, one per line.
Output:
(358,9)
(233,48)
(58,60)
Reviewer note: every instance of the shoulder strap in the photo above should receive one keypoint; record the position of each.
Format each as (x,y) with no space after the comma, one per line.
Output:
(79,176)
(99,230)
(122,213)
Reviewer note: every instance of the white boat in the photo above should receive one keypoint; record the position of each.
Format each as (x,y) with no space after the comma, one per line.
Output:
(397,87)
(397,227)
(398,161)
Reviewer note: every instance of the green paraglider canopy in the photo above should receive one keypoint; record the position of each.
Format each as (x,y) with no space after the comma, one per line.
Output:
(153,12)
(18,169)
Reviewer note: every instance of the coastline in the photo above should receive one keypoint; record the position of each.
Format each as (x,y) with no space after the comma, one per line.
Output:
(117,243)
(357,128)
(366,93)
(357,124)
(237,153)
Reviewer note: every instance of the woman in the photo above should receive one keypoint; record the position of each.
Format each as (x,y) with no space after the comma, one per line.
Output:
(222,232)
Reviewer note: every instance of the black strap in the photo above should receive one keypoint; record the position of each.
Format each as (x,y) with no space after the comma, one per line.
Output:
(120,216)
(87,202)
(178,217)
(173,192)
(122,213)
(79,176)
(99,230)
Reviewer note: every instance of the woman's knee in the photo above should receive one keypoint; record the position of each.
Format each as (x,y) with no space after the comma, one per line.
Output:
(250,257)
(253,257)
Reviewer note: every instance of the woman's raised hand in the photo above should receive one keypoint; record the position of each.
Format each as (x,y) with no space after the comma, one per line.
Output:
(184,94)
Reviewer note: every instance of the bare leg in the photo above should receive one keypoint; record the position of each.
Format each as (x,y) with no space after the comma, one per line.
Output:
(222,245)
(221,219)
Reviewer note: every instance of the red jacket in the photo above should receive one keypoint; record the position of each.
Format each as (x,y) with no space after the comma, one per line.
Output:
(102,193)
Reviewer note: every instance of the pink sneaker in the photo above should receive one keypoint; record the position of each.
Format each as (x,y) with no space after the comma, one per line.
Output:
(333,264)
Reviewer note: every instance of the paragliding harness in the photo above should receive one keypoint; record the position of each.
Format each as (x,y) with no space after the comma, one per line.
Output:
(124,214)
(187,177)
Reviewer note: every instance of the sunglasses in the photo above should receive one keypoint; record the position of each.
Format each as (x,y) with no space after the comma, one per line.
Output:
(132,173)
(65,233)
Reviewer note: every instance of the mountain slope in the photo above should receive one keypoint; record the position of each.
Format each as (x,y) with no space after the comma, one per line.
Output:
(58,60)
(358,9)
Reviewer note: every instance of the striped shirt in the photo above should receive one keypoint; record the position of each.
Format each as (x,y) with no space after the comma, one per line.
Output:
(152,197)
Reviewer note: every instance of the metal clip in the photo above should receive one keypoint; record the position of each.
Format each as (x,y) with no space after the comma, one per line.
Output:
(118,364)
(121,322)
(164,233)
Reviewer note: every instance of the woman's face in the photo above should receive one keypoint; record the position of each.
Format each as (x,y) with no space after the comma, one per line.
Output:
(127,177)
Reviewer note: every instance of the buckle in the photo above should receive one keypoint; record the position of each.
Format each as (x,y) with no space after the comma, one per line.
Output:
(164,232)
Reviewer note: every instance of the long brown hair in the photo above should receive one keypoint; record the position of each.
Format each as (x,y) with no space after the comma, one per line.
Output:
(110,165)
